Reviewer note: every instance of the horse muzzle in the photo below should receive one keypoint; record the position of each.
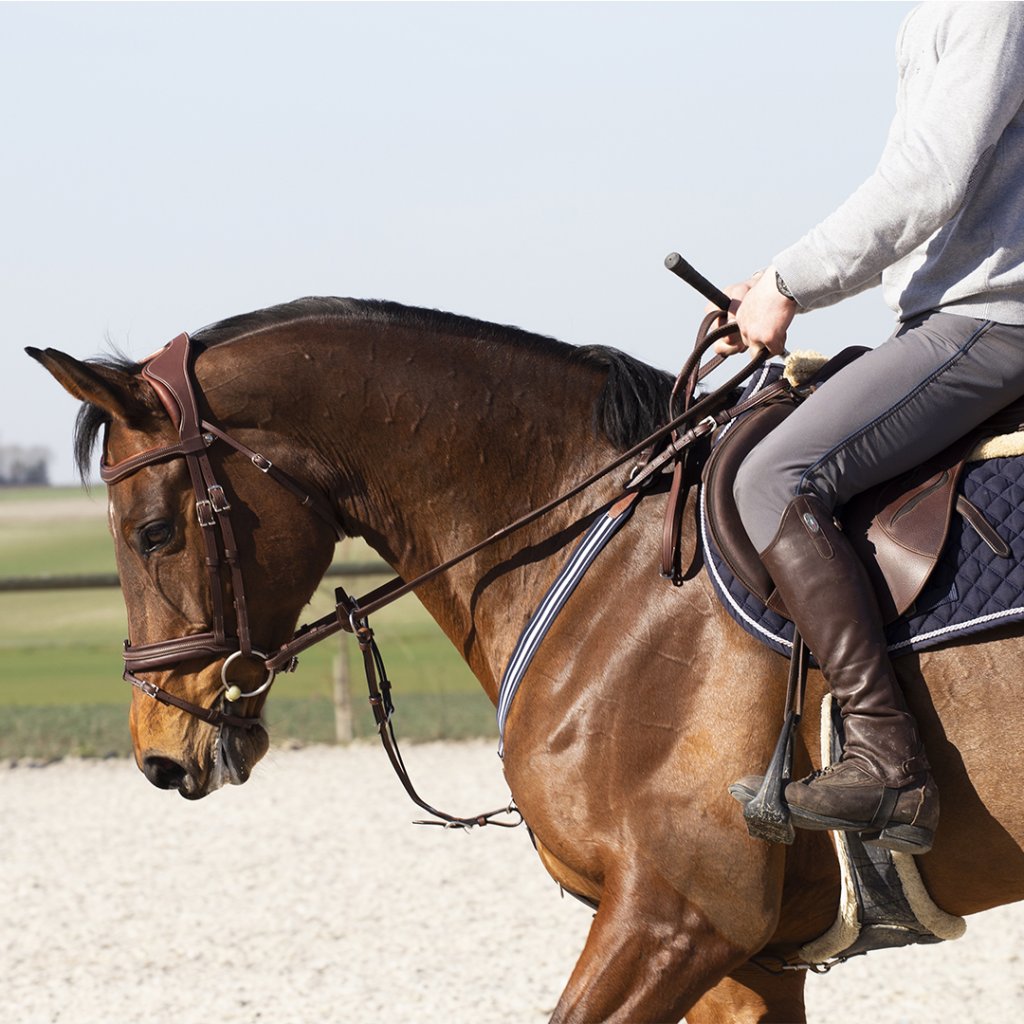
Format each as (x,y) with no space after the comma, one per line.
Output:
(231,758)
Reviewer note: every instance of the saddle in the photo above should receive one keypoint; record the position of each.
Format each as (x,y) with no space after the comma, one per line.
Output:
(899,528)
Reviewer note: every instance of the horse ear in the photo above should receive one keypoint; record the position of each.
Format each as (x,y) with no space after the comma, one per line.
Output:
(116,392)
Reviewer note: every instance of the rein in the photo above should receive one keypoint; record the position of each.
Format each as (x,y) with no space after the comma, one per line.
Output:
(350,612)
(171,375)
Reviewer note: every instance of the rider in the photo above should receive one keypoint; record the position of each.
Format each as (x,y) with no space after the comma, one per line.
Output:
(940,223)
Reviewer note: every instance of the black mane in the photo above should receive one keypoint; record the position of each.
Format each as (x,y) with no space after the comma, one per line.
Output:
(632,405)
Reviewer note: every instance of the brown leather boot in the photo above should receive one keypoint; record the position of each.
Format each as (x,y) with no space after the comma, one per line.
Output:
(882,785)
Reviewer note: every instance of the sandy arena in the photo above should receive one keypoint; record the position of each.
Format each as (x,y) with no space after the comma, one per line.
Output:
(306,896)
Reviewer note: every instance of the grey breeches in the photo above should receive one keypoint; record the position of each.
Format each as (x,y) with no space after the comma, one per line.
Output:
(936,378)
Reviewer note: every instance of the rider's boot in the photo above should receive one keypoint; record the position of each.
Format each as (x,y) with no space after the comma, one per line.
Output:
(882,785)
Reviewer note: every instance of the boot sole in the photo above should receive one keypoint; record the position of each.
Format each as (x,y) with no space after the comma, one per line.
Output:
(902,839)
(897,837)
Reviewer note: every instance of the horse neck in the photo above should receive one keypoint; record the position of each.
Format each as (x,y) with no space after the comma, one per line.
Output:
(435,442)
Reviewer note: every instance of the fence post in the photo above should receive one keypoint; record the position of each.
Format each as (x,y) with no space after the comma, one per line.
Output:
(342,693)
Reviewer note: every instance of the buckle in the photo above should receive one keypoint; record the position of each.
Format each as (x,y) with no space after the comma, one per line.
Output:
(262,463)
(704,426)
(218,498)
(204,511)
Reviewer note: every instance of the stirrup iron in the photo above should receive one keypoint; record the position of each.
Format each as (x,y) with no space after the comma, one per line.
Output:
(767,814)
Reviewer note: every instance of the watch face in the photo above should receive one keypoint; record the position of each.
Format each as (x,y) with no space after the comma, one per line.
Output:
(783,287)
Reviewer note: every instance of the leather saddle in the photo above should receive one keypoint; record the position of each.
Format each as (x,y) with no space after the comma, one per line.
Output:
(899,528)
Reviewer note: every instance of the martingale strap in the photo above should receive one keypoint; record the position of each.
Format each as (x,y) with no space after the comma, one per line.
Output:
(586,551)
(383,708)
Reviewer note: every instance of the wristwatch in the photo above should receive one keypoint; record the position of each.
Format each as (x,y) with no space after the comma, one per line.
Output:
(783,287)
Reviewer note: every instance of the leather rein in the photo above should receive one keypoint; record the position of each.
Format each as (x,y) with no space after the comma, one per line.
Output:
(171,375)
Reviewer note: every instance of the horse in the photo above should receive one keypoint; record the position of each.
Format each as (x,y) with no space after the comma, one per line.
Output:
(423,432)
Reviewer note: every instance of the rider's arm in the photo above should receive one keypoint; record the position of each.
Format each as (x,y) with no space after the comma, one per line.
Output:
(961,83)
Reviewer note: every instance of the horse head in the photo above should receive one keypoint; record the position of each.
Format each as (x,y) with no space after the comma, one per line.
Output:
(423,432)
(215,561)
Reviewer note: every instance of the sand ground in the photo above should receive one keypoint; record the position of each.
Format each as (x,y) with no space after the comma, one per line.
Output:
(306,896)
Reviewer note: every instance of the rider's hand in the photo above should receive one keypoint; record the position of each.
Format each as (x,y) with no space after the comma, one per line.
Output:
(763,315)
(731,343)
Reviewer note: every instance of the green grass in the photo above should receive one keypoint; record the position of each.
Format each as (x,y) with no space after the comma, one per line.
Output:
(54,530)
(61,690)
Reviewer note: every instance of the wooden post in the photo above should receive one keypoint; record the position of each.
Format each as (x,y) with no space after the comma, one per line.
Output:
(342,693)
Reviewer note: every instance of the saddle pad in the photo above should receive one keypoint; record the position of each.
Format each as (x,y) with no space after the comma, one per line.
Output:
(972,588)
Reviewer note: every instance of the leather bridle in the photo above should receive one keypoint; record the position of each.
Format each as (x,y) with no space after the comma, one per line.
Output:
(170,374)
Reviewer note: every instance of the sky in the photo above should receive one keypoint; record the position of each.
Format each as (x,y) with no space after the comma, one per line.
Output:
(168,165)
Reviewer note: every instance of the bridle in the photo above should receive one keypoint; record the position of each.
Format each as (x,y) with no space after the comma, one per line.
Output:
(171,376)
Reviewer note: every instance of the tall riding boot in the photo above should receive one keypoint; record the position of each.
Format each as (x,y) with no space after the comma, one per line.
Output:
(882,785)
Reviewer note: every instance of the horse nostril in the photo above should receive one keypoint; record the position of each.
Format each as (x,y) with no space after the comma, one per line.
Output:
(163,772)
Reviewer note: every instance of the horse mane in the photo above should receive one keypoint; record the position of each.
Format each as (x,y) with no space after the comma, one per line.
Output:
(632,404)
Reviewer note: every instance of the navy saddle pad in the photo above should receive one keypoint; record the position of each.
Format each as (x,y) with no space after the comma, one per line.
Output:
(971,589)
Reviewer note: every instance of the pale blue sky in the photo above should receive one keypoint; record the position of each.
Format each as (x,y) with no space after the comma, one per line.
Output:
(165,166)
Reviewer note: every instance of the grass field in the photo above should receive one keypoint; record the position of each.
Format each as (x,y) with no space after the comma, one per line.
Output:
(60,688)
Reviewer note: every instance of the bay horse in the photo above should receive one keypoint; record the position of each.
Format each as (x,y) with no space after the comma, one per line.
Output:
(423,432)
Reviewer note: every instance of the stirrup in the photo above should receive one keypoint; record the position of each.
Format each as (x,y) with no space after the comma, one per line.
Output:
(767,813)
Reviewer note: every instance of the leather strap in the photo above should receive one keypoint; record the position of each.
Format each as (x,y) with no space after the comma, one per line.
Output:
(214,715)
(683,474)
(982,527)
(379,687)
(709,406)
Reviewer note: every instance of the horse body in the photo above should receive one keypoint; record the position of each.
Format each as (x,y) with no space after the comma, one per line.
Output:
(429,432)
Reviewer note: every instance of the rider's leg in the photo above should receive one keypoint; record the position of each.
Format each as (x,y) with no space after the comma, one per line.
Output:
(889,410)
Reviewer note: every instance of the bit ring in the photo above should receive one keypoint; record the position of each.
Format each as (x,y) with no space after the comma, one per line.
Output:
(232,692)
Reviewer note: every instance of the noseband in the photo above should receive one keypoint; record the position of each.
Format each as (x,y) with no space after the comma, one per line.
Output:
(170,374)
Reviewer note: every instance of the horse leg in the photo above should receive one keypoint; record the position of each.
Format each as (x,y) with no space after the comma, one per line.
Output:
(649,957)
(749,996)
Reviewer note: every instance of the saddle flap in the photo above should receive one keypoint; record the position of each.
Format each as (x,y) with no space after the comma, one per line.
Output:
(723,518)
(900,528)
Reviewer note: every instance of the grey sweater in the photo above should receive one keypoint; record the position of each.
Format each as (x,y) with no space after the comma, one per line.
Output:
(941,220)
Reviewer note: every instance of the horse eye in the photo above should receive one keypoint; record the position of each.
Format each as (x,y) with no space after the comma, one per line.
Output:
(154,535)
